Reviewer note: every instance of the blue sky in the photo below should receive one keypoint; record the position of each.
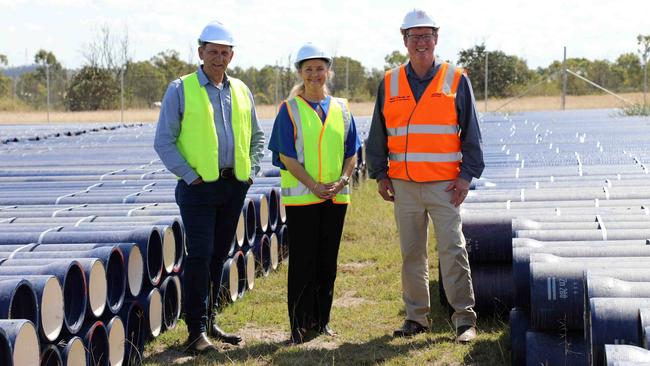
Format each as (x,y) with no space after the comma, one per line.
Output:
(270,32)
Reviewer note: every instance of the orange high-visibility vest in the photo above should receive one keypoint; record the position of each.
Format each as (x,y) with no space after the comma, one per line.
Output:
(423,137)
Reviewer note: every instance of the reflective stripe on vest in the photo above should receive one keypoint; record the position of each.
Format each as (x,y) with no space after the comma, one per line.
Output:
(320,148)
(198,142)
(424,137)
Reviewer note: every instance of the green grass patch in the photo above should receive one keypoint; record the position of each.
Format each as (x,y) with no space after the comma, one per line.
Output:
(367,308)
(636,109)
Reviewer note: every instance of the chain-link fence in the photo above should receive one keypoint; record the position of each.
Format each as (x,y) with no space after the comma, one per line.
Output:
(510,85)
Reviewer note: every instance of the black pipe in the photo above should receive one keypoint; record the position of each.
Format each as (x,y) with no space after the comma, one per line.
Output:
(73,351)
(95,339)
(171,301)
(612,320)
(71,275)
(112,259)
(116,339)
(519,324)
(149,240)
(521,260)
(95,275)
(50,356)
(49,299)
(556,349)
(23,341)
(135,324)
(626,355)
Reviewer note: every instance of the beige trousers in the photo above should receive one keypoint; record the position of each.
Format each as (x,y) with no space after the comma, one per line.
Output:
(415,204)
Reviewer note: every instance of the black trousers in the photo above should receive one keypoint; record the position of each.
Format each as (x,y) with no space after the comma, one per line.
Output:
(315,238)
(210,212)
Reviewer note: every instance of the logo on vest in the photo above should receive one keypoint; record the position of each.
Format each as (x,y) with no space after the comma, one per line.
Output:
(437,95)
(399,98)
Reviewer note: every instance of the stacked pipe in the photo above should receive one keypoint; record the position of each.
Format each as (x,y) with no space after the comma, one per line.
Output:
(563,205)
(91,245)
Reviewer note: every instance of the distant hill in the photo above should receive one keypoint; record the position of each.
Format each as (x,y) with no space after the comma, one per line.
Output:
(18,70)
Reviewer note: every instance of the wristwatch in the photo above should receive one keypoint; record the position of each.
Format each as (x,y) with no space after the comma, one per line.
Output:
(345,179)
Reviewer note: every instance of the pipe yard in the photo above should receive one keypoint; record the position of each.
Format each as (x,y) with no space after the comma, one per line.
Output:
(92,244)
(557,230)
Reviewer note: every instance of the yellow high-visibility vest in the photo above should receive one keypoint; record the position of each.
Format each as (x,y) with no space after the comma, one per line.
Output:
(320,147)
(198,142)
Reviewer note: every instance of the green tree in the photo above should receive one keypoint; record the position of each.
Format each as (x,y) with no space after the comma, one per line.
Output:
(628,66)
(395,59)
(92,88)
(5,82)
(506,74)
(143,83)
(171,65)
(33,85)
(575,86)
(373,78)
(644,51)
(602,73)
(349,79)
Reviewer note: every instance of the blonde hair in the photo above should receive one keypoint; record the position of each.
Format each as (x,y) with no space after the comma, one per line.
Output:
(299,88)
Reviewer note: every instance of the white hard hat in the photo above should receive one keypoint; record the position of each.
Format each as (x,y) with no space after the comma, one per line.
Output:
(217,32)
(310,51)
(418,18)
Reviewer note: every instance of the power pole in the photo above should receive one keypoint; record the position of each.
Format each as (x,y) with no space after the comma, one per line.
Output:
(122,95)
(486,80)
(347,77)
(276,99)
(564,80)
(47,84)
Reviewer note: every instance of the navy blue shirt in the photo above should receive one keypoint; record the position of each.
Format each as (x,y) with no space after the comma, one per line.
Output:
(282,140)
(472,164)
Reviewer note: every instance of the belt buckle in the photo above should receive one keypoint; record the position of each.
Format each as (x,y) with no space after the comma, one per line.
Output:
(226,173)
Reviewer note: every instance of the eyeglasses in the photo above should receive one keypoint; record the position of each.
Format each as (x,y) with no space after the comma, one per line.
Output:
(420,37)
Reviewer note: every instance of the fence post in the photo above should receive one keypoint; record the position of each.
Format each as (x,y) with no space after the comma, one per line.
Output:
(47,84)
(486,81)
(122,95)
(564,80)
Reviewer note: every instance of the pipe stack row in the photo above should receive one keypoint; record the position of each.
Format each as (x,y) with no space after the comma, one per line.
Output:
(92,245)
(558,230)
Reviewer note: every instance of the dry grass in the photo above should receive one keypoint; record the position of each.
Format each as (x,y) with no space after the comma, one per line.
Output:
(554,102)
(131,115)
(367,307)
(358,109)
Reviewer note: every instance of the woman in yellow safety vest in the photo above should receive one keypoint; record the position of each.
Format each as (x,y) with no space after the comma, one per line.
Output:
(314,143)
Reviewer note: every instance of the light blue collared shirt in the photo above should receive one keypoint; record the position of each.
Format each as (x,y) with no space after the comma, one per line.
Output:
(169,128)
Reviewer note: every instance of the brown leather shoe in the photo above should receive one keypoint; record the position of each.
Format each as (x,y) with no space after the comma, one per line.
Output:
(409,328)
(465,333)
(199,344)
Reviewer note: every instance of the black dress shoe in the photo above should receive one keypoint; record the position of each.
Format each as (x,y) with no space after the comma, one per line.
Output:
(198,343)
(222,336)
(327,331)
(409,328)
(298,335)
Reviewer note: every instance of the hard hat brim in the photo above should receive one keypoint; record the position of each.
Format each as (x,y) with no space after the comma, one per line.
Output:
(328,60)
(217,41)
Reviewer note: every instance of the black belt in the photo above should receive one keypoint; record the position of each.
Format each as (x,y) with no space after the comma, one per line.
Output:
(227,173)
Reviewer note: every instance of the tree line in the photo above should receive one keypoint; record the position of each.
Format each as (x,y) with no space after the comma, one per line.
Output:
(110,76)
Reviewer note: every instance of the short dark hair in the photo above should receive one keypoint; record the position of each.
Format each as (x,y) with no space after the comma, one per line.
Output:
(203,44)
